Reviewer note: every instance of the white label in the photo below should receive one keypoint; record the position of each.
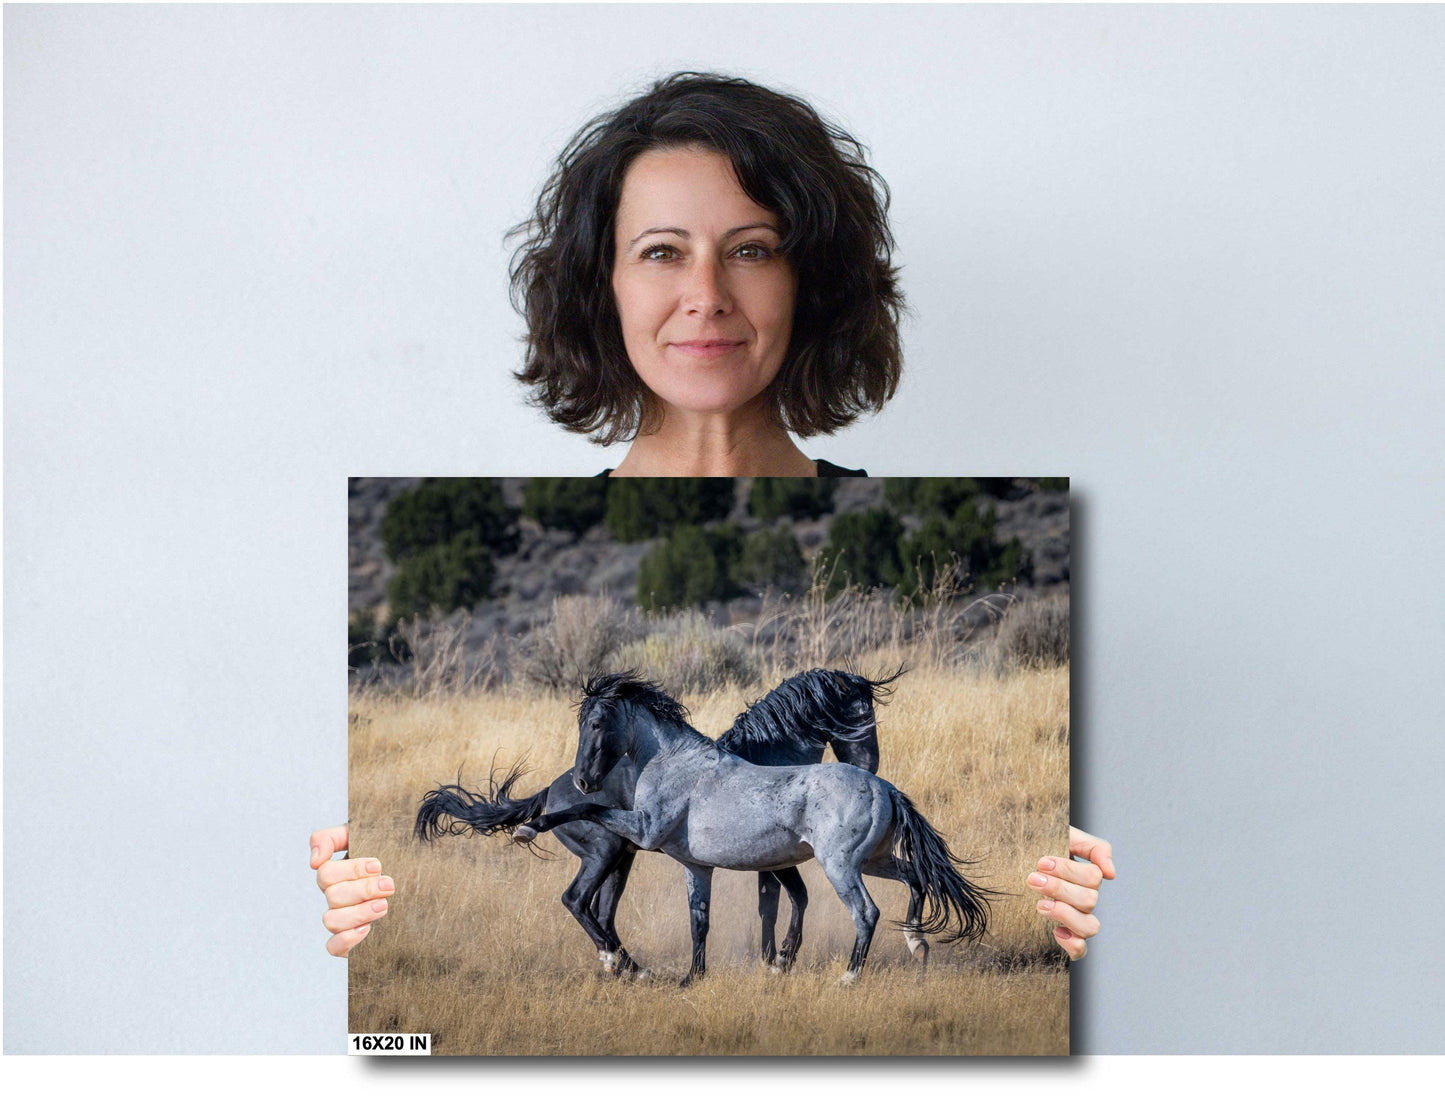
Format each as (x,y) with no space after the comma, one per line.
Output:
(407,1045)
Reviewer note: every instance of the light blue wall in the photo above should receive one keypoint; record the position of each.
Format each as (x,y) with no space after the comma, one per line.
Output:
(1192,257)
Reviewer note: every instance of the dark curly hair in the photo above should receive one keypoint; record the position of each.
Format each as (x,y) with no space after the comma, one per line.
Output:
(844,356)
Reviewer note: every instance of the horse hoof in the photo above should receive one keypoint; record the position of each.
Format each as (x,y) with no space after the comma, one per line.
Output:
(920,954)
(523,834)
(849,977)
(775,970)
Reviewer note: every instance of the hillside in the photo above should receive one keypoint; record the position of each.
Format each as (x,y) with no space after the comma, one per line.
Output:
(551,562)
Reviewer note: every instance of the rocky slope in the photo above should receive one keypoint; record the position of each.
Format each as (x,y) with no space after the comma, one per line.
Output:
(552,562)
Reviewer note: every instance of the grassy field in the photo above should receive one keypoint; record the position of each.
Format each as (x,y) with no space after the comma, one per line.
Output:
(479,952)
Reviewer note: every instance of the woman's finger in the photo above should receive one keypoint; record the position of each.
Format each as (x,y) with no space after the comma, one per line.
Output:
(1091,848)
(325,843)
(342,944)
(1081,925)
(1073,871)
(1081,898)
(1070,942)
(339,870)
(351,917)
(350,892)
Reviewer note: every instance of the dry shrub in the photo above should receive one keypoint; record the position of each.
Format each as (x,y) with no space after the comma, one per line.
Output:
(1034,633)
(583,637)
(685,652)
(440,661)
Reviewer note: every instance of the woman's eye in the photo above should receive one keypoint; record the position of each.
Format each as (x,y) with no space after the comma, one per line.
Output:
(753,252)
(659,253)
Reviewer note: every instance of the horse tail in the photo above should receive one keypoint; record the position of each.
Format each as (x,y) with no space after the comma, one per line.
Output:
(952,906)
(473,812)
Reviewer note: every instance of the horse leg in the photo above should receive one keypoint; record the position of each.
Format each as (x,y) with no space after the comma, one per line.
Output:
(578,899)
(912,935)
(847,880)
(604,906)
(792,882)
(865,921)
(769,892)
(893,868)
(634,826)
(699,899)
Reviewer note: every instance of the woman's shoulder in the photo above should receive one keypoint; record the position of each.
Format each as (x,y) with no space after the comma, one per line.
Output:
(825,470)
(832,470)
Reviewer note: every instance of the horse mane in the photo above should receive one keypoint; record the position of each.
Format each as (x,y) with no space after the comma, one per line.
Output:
(809,705)
(629,685)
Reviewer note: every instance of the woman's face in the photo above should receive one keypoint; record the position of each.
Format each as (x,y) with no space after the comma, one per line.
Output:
(705,299)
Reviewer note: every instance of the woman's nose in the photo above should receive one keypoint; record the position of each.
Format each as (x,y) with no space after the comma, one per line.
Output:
(707,291)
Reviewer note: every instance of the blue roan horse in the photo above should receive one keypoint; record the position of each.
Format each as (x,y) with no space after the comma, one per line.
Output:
(707,807)
(791,726)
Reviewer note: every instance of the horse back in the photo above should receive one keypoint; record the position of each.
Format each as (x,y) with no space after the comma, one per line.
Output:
(747,816)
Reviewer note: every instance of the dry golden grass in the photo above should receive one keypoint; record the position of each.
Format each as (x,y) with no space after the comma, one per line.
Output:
(479,952)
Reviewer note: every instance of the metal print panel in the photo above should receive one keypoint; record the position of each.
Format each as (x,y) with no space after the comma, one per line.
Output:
(710,766)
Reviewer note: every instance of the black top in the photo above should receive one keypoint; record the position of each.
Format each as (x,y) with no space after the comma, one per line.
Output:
(825,470)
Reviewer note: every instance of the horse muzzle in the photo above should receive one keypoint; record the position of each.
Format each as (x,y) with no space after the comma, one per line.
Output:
(581,783)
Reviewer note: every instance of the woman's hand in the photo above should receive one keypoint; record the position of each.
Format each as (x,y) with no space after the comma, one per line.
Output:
(356,890)
(1071,889)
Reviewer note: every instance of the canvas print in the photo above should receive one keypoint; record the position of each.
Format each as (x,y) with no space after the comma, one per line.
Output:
(710,765)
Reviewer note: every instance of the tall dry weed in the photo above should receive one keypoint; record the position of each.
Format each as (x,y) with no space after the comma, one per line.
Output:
(440,660)
(940,626)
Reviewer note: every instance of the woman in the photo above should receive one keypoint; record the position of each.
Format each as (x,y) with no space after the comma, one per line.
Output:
(706,275)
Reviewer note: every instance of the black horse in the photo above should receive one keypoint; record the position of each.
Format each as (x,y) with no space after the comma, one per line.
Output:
(791,726)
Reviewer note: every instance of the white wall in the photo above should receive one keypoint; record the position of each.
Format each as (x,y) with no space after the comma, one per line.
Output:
(1192,257)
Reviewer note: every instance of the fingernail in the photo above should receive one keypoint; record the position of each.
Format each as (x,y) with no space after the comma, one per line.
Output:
(1037,880)
(1063,933)
(385,883)
(373,866)
(379,906)
(362,931)
(1046,904)
(1047,863)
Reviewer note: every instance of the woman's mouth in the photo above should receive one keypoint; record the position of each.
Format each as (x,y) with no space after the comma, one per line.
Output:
(707,347)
